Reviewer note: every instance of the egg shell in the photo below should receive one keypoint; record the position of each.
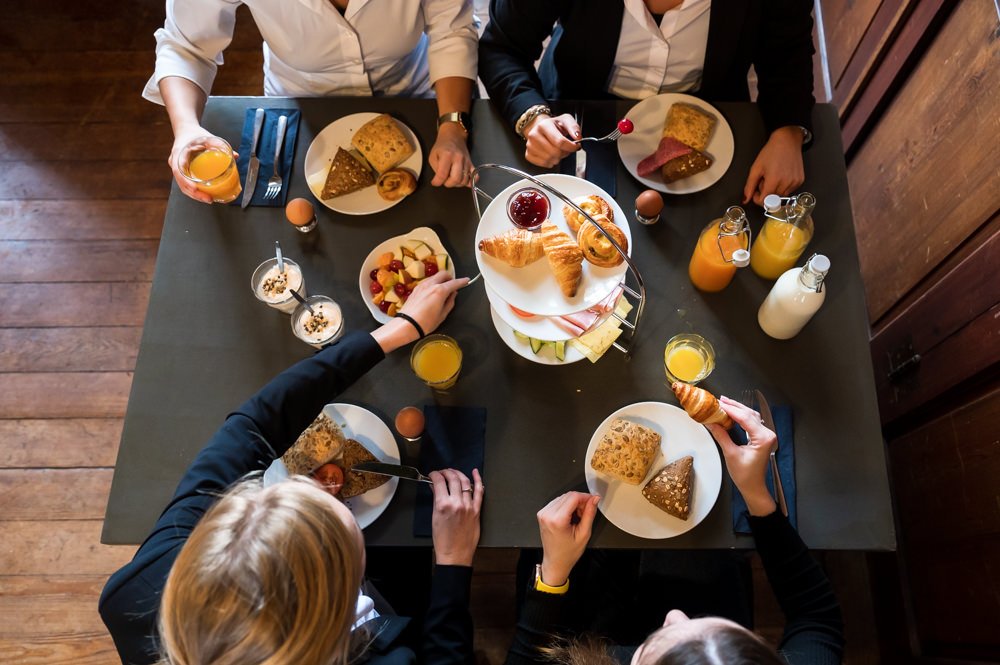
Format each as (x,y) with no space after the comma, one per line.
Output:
(299,212)
(649,203)
(410,422)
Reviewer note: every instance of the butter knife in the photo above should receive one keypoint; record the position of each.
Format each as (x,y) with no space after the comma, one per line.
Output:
(768,420)
(251,184)
(395,470)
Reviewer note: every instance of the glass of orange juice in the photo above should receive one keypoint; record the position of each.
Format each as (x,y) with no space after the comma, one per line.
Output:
(437,360)
(688,358)
(208,162)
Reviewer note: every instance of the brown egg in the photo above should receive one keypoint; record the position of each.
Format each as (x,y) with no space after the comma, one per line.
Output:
(410,422)
(649,203)
(299,212)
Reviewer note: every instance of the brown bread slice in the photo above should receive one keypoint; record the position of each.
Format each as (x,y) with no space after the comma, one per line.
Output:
(670,489)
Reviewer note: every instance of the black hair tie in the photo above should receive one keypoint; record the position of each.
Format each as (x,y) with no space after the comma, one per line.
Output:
(406,317)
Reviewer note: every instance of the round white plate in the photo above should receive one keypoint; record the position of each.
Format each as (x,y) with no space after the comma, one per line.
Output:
(421,233)
(648,117)
(533,288)
(545,356)
(624,505)
(338,134)
(539,327)
(368,429)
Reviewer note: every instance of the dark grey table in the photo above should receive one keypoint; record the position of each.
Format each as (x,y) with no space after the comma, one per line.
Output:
(208,344)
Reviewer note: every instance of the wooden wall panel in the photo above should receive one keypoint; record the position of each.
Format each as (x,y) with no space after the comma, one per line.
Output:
(844,25)
(926,178)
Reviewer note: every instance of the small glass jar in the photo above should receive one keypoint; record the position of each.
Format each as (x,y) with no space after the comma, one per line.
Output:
(323,326)
(688,358)
(274,288)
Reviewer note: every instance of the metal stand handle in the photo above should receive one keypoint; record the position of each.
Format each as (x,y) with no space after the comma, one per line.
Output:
(623,343)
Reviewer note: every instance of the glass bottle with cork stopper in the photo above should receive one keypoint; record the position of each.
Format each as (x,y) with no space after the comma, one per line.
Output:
(795,298)
(785,234)
(722,248)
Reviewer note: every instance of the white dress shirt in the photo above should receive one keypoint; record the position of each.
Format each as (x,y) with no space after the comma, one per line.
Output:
(654,58)
(377,47)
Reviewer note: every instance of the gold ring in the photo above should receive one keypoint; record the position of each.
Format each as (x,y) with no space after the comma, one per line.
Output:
(467,489)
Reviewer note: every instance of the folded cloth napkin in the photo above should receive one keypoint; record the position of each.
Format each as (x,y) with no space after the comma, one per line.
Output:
(602,158)
(454,438)
(786,468)
(265,153)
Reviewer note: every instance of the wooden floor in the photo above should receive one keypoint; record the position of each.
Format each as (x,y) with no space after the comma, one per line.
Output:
(83,188)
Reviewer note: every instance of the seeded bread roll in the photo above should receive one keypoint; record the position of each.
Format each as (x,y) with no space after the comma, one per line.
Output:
(355,482)
(382,143)
(318,444)
(689,125)
(626,451)
(670,489)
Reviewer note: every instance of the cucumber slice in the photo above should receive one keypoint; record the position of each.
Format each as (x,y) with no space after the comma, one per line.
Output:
(536,344)
(521,336)
(442,261)
(560,350)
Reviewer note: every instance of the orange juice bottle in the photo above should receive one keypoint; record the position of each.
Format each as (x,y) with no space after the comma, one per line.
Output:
(721,249)
(784,236)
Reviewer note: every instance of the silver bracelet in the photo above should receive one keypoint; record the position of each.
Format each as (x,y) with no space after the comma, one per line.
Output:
(529,116)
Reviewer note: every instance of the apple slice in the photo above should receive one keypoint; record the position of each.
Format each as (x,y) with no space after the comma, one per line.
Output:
(417,270)
(442,261)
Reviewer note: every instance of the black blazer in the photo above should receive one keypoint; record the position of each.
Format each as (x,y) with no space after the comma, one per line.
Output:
(775,36)
(262,429)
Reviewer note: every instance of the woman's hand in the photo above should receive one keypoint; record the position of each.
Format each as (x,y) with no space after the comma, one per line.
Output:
(747,465)
(428,305)
(565,525)
(450,157)
(181,139)
(547,142)
(455,521)
(778,168)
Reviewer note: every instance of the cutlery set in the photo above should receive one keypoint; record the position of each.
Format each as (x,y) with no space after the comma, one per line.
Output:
(274,183)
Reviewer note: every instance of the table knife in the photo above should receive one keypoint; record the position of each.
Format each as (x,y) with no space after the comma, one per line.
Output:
(768,420)
(251,184)
(395,470)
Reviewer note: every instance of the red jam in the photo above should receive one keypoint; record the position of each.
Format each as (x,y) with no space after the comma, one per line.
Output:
(625,126)
(528,208)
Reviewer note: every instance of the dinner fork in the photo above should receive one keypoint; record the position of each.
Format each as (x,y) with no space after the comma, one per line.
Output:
(749,398)
(274,184)
(613,136)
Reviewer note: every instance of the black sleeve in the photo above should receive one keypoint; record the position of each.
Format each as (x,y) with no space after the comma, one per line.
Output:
(814,627)
(543,616)
(784,66)
(508,49)
(263,428)
(447,638)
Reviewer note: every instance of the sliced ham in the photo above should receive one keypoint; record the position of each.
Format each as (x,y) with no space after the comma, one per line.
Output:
(669,148)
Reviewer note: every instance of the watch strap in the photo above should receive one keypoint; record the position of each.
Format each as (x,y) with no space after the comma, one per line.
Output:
(546,588)
(462,118)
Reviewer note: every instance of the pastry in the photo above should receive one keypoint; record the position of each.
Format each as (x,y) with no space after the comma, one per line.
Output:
(516,247)
(592,205)
(347,174)
(670,489)
(355,482)
(685,166)
(690,125)
(318,444)
(394,184)
(564,256)
(701,405)
(382,143)
(595,245)
(626,451)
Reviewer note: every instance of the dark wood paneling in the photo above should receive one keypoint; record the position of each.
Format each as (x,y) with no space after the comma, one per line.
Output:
(54,494)
(60,442)
(923,181)
(77,261)
(69,349)
(100,219)
(39,548)
(844,26)
(64,395)
(96,304)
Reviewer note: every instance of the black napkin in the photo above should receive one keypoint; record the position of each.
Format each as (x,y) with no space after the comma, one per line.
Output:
(454,437)
(786,469)
(602,158)
(265,153)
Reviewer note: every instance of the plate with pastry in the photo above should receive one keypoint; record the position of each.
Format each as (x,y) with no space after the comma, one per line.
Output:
(658,471)
(340,437)
(393,269)
(541,351)
(363,163)
(680,144)
(552,264)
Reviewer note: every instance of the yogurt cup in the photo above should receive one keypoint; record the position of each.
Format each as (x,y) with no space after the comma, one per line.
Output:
(274,288)
(321,327)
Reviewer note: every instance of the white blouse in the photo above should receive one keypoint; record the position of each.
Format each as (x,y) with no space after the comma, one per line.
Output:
(377,47)
(654,58)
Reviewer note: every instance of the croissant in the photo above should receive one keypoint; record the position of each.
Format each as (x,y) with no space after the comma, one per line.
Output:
(595,245)
(516,247)
(564,256)
(593,205)
(701,405)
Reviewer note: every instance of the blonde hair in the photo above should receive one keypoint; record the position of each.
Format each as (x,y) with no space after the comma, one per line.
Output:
(269,575)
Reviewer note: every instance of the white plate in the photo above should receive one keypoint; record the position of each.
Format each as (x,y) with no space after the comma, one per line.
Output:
(648,117)
(421,233)
(368,429)
(320,155)
(545,356)
(624,505)
(533,288)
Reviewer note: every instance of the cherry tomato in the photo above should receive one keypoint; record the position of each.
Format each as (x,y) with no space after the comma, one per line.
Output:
(432,268)
(331,477)
(400,289)
(625,126)
(396,265)
(375,288)
(384,306)
(373,274)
